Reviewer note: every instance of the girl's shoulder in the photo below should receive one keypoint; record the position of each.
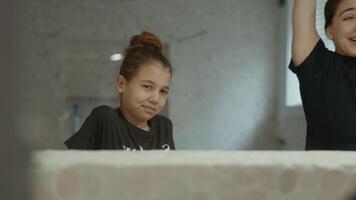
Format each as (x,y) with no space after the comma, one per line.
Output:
(162,120)
(104,111)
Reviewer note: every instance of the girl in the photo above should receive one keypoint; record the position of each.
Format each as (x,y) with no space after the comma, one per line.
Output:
(143,84)
(327,79)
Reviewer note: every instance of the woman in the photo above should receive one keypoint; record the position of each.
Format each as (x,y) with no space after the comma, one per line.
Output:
(327,79)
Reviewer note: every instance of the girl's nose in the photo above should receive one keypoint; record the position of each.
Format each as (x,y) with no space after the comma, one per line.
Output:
(154,98)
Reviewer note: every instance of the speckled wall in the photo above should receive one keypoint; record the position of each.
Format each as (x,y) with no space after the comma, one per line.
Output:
(194,175)
(226,57)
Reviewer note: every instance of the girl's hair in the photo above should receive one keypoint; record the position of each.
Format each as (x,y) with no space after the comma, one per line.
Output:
(143,48)
(330,10)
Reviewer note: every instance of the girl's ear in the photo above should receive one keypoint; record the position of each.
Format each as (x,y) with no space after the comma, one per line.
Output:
(329,32)
(120,84)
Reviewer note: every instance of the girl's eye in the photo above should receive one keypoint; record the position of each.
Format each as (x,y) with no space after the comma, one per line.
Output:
(164,92)
(147,86)
(349,18)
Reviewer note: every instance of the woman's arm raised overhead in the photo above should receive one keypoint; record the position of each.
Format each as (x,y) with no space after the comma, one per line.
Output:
(305,35)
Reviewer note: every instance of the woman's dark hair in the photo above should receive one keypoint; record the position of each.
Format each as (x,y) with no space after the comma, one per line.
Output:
(330,11)
(143,48)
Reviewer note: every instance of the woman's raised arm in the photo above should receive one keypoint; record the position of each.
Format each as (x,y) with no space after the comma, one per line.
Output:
(305,35)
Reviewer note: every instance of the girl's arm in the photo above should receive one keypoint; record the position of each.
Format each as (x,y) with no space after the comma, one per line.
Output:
(305,35)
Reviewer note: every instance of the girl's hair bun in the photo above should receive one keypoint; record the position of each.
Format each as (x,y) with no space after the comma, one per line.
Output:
(142,49)
(145,39)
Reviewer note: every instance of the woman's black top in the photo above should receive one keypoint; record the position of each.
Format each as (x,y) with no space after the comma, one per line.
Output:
(327,83)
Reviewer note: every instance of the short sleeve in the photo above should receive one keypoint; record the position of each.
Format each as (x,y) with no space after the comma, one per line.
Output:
(84,138)
(314,63)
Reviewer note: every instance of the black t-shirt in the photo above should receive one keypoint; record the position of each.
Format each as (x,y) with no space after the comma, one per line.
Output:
(106,128)
(327,83)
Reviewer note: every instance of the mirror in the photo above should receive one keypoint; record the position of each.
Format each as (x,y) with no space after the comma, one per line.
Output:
(229,60)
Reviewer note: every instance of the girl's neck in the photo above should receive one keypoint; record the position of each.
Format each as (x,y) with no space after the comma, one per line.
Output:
(142,124)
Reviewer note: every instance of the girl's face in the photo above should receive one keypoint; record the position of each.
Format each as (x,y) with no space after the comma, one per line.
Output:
(343,28)
(145,94)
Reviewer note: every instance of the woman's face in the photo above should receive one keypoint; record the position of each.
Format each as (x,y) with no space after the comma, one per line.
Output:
(145,94)
(342,30)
